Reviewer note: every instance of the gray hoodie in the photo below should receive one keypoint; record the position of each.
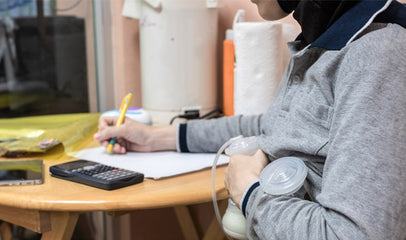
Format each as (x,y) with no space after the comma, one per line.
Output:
(343,112)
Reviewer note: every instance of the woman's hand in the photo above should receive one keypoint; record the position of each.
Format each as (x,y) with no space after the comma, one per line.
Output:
(241,171)
(134,136)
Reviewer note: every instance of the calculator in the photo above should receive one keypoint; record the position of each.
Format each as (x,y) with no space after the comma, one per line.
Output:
(96,174)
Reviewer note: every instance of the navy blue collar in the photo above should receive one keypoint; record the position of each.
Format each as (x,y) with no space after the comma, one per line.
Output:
(358,18)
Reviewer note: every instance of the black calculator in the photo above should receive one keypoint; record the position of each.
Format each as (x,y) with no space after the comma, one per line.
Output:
(96,174)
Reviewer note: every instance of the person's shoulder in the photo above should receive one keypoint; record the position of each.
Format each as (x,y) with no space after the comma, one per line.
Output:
(376,58)
(380,47)
(387,41)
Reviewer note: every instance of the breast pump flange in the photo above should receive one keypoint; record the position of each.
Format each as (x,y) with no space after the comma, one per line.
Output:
(284,176)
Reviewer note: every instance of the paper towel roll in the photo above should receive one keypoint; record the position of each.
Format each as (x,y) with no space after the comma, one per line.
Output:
(261,58)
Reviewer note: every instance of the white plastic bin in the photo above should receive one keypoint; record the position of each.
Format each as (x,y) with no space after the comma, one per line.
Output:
(178,56)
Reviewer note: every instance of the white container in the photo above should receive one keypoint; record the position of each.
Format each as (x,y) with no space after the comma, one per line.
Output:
(134,113)
(178,45)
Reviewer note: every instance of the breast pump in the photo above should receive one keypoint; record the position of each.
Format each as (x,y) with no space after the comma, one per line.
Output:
(284,176)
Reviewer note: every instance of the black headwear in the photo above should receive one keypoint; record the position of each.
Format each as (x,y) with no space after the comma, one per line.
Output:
(316,16)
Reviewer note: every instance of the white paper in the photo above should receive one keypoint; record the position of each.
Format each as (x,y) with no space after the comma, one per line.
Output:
(153,165)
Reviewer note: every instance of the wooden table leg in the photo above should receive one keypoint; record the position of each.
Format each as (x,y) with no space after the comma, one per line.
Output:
(214,231)
(186,223)
(5,231)
(35,220)
(62,226)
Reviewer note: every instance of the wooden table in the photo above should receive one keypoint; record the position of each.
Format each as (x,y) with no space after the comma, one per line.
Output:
(53,207)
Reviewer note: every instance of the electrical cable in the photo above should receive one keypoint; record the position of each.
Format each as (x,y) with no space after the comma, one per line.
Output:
(68,8)
(173,119)
(196,115)
(211,113)
(187,115)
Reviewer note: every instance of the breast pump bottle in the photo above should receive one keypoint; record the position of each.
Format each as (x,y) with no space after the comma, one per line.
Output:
(284,176)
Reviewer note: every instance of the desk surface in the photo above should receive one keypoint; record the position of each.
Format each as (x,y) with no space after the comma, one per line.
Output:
(61,195)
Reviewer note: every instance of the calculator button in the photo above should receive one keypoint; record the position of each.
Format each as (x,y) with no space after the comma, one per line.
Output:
(88,168)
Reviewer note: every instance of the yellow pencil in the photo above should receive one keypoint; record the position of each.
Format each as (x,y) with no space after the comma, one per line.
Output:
(123,109)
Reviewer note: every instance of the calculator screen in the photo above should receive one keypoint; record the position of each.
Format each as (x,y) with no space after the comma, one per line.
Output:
(75,164)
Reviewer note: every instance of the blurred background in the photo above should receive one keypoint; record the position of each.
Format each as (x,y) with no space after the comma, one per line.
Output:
(43,57)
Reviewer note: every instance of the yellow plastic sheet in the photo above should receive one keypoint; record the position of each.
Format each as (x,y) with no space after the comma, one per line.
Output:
(39,134)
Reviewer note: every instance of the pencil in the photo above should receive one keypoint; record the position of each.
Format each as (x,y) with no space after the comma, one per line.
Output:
(123,110)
